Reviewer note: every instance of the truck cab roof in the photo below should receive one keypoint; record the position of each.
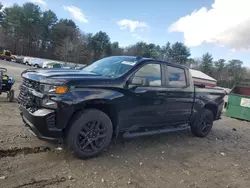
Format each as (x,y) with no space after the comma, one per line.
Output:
(141,59)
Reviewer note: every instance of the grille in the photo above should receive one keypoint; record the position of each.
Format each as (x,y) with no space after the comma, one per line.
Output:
(26,98)
(31,84)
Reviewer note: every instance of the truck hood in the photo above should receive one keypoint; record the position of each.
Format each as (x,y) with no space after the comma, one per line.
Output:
(61,74)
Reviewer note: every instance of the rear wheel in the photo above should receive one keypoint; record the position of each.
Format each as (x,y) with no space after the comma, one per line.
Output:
(90,133)
(204,125)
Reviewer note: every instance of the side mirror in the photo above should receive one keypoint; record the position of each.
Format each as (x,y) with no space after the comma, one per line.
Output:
(138,81)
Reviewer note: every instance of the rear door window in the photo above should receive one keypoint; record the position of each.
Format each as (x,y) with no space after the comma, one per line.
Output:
(176,77)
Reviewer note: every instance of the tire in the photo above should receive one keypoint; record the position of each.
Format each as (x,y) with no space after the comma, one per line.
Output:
(203,126)
(82,136)
(36,66)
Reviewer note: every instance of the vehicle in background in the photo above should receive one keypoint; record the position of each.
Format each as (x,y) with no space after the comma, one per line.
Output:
(19,58)
(6,83)
(51,64)
(66,67)
(6,55)
(46,63)
(80,68)
(115,95)
(31,60)
(36,62)
(14,58)
(26,60)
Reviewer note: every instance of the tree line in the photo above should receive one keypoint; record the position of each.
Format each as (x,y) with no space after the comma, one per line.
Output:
(27,30)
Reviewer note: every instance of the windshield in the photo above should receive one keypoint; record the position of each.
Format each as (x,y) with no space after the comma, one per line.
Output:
(112,66)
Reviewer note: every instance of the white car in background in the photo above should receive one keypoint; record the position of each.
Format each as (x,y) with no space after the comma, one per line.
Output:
(51,64)
(26,60)
(36,62)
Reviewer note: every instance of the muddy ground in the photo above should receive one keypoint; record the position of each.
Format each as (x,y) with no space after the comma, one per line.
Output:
(176,160)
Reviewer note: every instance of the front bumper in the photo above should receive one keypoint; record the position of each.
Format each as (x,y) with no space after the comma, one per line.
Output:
(41,123)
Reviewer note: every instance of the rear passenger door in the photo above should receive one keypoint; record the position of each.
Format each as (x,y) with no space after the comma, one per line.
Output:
(179,94)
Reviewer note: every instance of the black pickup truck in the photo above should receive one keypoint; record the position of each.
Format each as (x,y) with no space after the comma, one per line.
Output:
(117,95)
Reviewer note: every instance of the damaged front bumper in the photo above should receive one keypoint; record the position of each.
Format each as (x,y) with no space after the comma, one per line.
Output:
(42,123)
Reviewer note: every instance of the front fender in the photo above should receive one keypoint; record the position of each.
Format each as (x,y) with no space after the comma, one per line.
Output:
(81,95)
(75,100)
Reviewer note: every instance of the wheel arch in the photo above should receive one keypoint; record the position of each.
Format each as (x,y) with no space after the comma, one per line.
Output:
(103,105)
(213,108)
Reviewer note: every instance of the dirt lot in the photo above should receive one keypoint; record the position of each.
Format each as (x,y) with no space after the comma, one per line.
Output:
(176,160)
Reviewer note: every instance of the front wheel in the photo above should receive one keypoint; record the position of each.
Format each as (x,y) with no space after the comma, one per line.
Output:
(203,126)
(89,134)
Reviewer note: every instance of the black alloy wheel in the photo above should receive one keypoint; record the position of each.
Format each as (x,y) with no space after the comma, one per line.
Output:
(206,124)
(203,126)
(92,136)
(89,133)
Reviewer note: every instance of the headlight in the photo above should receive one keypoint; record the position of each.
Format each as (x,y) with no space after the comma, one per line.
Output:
(47,88)
(53,89)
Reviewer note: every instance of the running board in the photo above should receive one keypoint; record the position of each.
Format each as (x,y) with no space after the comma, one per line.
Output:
(154,132)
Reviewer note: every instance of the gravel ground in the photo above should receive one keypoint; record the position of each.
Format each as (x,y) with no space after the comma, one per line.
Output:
(177,160)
